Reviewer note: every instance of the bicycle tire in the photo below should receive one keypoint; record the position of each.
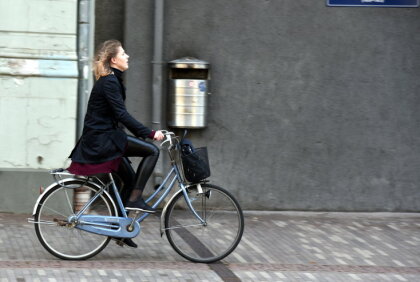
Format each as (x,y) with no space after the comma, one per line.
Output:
(210,242)
(59,237)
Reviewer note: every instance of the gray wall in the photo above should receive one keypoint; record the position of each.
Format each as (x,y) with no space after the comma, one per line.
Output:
(109,20)
(312,108)
(20,189)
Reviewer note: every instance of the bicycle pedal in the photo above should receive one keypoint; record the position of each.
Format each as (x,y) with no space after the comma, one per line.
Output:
(119,243)
(139,210)
(157,213)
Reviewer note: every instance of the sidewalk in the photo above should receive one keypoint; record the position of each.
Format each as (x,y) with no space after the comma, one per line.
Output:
(276,246)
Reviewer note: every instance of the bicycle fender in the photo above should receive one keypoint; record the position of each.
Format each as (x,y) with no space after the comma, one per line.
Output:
(61,182)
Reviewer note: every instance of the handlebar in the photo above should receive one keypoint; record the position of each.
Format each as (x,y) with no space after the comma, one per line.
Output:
(170,137)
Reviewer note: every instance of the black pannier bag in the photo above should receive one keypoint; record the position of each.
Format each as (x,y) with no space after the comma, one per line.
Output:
(195,162)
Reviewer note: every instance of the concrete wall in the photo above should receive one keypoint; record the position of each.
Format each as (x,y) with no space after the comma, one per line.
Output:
(109,20)
(38,96)
(38,78)
(312,108)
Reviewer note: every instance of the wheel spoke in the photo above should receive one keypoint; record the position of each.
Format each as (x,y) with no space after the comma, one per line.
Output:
(56,212)
(217,237)
(184,226)
(68,201)
(62,239)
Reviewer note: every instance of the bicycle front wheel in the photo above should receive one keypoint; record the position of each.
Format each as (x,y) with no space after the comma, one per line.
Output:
(212,240)
(54,228)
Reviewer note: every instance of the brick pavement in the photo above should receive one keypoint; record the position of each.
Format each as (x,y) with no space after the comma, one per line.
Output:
(278,246)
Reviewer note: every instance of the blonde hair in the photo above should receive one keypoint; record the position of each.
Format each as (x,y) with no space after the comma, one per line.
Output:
(106,51)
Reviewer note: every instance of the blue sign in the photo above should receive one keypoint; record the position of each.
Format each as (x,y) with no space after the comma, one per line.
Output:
(374,3)
(202,86)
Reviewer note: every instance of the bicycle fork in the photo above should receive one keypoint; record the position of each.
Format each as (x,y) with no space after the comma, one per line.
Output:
(189,204)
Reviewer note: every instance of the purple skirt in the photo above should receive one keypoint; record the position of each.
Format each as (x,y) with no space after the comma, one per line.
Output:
(89,169)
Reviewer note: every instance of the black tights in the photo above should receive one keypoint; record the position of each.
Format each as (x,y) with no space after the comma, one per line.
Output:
(134,183)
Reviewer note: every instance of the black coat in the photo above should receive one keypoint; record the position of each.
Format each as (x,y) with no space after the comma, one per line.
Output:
(103,139)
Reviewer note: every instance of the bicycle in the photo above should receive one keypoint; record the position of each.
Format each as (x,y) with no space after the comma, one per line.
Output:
(202,222)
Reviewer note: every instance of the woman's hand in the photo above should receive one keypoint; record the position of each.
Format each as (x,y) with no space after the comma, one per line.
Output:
(158,136)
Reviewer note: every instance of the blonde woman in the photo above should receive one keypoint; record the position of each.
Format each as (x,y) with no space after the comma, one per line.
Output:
(104,142)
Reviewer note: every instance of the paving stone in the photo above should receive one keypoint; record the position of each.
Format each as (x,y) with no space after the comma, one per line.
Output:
(276,246)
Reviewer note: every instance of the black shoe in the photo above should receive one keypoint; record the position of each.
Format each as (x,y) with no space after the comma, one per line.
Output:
(140,205)
(125,241)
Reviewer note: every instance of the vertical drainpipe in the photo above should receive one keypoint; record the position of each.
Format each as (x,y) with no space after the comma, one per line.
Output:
(157,64)
(85,41)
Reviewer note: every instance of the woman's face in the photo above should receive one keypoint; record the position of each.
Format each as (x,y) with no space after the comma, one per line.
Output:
(120,61)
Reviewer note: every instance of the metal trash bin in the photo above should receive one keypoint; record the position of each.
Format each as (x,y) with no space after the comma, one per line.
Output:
(188,91)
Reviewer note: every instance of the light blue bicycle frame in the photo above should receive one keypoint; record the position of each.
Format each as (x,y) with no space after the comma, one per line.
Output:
(115,226)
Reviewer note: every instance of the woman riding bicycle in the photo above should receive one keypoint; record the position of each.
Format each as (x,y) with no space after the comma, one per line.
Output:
(103,142)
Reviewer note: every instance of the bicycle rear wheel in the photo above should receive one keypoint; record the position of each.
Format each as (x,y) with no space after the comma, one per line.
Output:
(217,237)
(61,237)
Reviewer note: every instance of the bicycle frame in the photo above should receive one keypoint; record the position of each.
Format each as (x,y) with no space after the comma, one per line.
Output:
(76,216)
(114,226)
(123,226)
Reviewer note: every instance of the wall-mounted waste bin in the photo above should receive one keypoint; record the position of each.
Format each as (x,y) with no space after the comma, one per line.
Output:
(188,91)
